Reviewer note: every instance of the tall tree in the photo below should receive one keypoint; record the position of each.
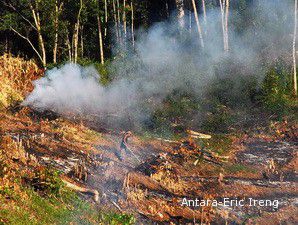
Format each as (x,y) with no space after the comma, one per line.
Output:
(294,49)
(132,24)
(106,16)
(100,36)
(34,6)
(198,23)
(224,9)
(204,13)
(58,9)
(119,21)
(24,18)
(116,20)
(124,19)
(76,33)
(180,12)
(100,40)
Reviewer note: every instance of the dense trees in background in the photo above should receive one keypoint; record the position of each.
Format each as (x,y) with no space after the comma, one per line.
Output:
(60,30)
(55,31)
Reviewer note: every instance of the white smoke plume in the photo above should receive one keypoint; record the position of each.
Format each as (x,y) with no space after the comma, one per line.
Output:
(168,59)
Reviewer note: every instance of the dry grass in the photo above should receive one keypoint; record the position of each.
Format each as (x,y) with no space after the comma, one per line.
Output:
(16,76)
(170,181)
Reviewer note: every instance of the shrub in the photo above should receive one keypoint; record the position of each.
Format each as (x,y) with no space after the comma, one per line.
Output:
(218,118)
(276,90)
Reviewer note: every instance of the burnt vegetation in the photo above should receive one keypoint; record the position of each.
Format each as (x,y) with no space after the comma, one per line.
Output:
(203,95)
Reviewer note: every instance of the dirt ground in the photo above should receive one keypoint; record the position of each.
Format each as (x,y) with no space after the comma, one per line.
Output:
(152,182)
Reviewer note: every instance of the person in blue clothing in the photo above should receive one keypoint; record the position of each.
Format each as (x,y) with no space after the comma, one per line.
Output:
(124,145)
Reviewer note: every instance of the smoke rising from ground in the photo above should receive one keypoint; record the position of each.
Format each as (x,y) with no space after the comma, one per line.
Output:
(169,59)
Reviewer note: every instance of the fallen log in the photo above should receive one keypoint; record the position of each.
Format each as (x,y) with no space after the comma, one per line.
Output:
(79,188)
(195,134)
(140,179)
(169,141)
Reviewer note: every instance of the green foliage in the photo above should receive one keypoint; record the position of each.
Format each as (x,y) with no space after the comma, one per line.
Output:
(218,119)
(219,143)
(48,181)
(172,117)
(51,204)
(234,168)
(276,90)
(31,208)
(103,69)
(117,219)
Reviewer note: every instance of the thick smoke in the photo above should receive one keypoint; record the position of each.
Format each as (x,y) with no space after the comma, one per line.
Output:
(167,59)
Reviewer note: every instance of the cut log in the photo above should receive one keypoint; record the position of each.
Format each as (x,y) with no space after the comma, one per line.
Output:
(79,188)
(195,134)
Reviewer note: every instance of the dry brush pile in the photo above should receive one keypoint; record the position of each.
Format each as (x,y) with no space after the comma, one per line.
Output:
(16,76)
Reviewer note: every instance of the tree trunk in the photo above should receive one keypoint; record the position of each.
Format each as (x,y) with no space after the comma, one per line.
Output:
(224,9)
(132,24)
(100,40)
(76,34)
(205,16)
(198,23)
(167,10)
(56,32)
(116,20)
(36,18)
(119,21)
(82,42)
(69,49)
(294,51)
(189,21)
(204,12)
(124,19)
(180,12)
(56,27)
(226,24)
(106,17)
(222,5)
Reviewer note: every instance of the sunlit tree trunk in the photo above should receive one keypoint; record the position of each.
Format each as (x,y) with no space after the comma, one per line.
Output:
(69,48)
(100,40)
(204,11)
(198,23)
(180,12)
(119,21)
(124,19)
(56,32)
(36,17)
(226,24)
(222,5)
(76,34)
(58,8)
(294,50)
(132,24)
(224,9)
(205,15)
(106,16)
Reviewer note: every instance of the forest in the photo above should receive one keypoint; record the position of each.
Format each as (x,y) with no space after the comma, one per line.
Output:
(116,111)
